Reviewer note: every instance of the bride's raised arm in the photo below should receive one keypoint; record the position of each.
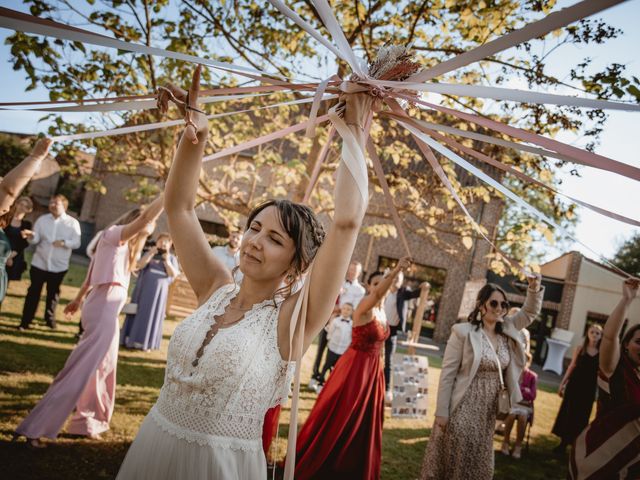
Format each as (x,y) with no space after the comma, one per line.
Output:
(333,257)
(203,270)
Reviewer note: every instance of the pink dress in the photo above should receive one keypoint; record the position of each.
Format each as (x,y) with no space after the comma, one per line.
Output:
(88,380)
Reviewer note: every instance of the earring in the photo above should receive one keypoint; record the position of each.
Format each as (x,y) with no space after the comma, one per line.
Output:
(479,316)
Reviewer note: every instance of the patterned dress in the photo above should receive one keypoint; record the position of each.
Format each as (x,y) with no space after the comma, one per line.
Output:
(207,422)
(465,449)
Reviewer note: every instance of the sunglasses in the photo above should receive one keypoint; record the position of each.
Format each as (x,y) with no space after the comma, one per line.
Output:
(496,304)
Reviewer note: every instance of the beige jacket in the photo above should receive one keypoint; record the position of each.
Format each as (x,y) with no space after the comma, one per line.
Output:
(462,356)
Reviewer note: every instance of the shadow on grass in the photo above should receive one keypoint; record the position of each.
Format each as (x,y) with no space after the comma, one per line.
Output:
(64,459)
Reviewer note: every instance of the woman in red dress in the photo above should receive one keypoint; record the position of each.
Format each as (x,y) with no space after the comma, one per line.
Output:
(342,438)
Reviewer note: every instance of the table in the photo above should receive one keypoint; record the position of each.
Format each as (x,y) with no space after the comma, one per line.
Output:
(555,355)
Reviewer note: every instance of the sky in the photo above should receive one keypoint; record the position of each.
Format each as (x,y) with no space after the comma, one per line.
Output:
(620,139)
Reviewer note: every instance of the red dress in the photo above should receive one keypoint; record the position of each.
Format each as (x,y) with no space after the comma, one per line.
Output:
(342,438)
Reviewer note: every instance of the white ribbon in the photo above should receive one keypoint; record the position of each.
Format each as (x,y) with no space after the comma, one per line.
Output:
(533,30)
(170,123)
(499,187)
(352,155)
(132,105)
(307,27)
(494,141)
(77,35)
(523,96)
(330,22)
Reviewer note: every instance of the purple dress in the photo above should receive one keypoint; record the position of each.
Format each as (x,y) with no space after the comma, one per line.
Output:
(144,329)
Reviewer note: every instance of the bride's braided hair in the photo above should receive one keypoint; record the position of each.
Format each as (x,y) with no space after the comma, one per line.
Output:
(307,233)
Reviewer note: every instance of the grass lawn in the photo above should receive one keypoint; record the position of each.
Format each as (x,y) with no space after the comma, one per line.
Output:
(30,360)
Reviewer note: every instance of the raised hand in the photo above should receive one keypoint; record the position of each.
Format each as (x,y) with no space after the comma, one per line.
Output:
(404,263)
(41,148)
(187,103)
(534,282)
(630,288)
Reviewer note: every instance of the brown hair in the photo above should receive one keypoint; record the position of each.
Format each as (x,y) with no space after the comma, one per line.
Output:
(307,233)
(483,296)
(62,198)
(6,218)
(627,338)
(26,199)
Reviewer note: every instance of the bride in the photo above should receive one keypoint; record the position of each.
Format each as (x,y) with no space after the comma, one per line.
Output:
(227,362)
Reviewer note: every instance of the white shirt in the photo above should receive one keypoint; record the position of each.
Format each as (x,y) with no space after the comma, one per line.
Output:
(391,309)
(47,230)
(352,292)
(339,334)
(231,260)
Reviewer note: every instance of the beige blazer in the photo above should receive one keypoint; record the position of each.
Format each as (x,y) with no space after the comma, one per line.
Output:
(462,356)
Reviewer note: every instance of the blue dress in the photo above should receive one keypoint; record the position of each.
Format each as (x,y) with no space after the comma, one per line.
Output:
(144,329)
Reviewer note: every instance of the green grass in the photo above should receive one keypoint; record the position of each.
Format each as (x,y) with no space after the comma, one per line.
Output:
(30,360)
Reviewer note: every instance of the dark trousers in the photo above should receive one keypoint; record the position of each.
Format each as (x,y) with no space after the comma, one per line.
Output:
(389,349)
(38,279)
(329,363)
(322,345)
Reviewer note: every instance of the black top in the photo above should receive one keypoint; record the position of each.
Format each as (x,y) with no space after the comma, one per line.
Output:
(18,244)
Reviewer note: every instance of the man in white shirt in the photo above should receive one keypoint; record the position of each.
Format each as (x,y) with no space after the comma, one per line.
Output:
(229,254)
(352,292)
(55,235)
(339,337)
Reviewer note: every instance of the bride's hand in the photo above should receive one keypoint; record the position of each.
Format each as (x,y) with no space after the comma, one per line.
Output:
(187,103)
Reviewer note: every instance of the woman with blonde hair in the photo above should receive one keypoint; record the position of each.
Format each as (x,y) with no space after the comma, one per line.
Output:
(88,380)
(477,354)
(578,389)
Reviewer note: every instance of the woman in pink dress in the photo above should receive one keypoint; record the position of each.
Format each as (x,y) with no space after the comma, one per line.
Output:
(342,438)
(88,380)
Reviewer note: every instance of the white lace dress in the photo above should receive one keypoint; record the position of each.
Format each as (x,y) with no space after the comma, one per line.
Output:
(207,422)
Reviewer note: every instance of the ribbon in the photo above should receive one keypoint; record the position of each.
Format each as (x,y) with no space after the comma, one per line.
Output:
(523,96)
(263,139)
(23,22)
(578,155)
(201,94)
(377,167)
(315,174)
(332,25)
(533,30)
(492,140)
(169,123)
(133,105)
(297,19)
(502,189)
(352,154)
(509,169)
(311,130)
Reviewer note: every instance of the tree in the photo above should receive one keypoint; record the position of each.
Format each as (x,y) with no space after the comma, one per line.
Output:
(255,33)
(628,256)
(12,152)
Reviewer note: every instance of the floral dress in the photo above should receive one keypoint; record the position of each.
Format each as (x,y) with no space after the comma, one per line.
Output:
(465,449)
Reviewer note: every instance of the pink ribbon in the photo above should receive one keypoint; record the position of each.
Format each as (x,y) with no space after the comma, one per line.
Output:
(578,155)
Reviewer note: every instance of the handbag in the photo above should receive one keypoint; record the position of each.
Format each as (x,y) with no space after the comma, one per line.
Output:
(504,399)
(130,309)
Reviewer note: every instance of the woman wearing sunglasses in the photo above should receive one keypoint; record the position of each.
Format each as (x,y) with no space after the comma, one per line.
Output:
(470,383)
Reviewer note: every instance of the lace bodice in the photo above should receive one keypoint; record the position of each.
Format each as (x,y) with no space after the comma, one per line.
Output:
(223,400)
(370,337)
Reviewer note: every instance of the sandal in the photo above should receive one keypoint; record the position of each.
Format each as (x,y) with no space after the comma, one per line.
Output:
(505,449)
(517,452)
